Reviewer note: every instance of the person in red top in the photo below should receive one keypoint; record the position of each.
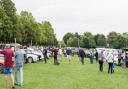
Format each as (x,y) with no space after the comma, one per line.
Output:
(8,65)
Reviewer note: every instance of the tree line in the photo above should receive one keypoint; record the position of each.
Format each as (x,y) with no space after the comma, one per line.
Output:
(26,29)
(23,27)
(88,40)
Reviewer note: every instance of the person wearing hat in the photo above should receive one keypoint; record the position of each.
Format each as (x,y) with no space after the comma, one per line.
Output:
(8,65)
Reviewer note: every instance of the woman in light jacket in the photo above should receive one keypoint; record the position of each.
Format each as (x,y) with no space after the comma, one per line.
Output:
(110,60)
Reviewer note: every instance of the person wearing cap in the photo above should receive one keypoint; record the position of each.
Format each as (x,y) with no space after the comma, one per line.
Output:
(8,65)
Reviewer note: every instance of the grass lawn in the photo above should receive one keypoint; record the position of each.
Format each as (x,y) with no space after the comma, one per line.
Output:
(73,76)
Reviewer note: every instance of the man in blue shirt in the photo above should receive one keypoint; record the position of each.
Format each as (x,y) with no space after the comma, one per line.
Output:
(19,62)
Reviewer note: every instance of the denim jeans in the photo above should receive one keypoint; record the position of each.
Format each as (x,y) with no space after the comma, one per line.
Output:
(91,60)
(110,68)
(20,70)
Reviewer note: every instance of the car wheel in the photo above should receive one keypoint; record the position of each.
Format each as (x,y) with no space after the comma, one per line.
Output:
(25,61)
(30,60)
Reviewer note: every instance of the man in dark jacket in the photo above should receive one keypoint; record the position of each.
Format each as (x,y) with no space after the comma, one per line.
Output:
(82,55)
(119,58)
(126,59)
(45,55)
(55,53)
(96,55)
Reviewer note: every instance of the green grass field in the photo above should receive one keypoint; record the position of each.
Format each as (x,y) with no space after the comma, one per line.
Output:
(73,76)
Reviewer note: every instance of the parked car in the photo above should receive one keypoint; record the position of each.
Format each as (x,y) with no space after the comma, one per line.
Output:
(29,57)
(36,52)
(1,63)
(49,53)
(39,53)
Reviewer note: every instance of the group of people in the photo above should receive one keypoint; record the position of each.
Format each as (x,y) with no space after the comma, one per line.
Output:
(57,55)
(99,55)
(110,59)
(99,58)
(123,58)
(13,60)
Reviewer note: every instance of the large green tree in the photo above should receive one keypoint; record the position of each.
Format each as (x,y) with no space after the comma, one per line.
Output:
(5,23)
(50,36)
(23,27)
(119,42)
(67,36)
(125,36)
(11,20)
(111,38)
(72,42)
(100,40)
(28,27)
(88,40)
(62,44)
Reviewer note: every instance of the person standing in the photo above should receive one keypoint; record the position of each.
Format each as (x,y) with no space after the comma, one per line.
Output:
(96,55)
(119,58)
(69,55)
(55,53)
(101,60)
(45,55)
(91,57)
(110,60)
(60,54)
(19,62)
(126,59)
(82,55)
(8,65)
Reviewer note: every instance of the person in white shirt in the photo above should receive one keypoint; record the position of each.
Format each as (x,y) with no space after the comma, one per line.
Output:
(60,54)
(110,60)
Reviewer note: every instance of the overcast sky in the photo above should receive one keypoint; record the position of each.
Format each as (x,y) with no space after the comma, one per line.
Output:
(96,16)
